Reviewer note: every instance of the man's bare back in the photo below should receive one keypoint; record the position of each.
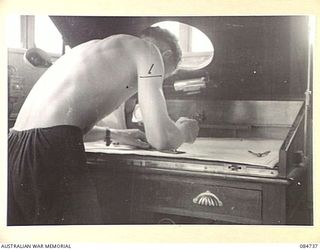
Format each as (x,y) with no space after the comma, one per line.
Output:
(96,77)
(83,86)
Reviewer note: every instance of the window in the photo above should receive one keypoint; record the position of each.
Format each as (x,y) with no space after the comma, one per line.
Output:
(13,32)
(33,31)
(47,37)
(197,49)
(200,42)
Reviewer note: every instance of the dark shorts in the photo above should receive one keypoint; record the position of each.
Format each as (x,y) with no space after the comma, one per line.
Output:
(48,181)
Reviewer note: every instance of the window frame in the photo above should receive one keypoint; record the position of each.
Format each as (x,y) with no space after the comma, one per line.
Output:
(27,36)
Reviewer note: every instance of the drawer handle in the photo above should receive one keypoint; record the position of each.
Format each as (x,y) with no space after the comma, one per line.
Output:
(208,199)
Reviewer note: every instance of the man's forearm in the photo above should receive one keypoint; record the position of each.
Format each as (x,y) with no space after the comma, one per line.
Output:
(132,137)
(98,133)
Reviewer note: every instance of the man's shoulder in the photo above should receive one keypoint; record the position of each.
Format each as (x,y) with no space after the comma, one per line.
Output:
(120,39)
(146,51)
(132,43)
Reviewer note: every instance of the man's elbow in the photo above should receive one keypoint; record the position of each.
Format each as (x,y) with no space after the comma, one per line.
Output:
(165,143)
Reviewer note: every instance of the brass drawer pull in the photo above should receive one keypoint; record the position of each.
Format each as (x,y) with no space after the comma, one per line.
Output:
(208,199)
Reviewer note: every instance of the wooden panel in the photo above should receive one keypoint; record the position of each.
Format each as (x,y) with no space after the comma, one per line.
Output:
(113,185)
(266,119)
(274,204)
(257,113)
(238,205)
(296,197)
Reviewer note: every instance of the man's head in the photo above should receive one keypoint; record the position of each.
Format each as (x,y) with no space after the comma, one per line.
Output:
(168,45)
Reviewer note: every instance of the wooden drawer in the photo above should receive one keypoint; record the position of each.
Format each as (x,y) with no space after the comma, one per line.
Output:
(191,198)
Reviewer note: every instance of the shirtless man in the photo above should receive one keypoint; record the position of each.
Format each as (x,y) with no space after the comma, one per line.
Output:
(46,153)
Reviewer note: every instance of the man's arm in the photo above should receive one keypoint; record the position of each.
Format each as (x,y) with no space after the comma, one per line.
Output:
(97,133)
(161,132)
(132,137)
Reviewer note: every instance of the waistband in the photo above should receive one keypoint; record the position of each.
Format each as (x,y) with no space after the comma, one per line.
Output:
(57,128)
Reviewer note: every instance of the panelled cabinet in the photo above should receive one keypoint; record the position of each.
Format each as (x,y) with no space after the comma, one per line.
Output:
(149,194)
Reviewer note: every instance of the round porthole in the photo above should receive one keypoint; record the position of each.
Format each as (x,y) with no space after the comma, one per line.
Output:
(197,49)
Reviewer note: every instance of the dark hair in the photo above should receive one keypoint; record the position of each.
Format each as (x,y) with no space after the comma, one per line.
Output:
(165,36)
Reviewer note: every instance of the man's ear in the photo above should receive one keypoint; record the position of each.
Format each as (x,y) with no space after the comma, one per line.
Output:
(167,54)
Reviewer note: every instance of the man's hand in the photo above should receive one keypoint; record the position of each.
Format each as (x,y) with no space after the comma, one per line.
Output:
(189,128)
(132,137)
